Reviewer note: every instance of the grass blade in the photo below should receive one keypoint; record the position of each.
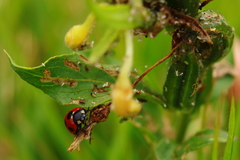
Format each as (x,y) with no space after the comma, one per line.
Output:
(231,130)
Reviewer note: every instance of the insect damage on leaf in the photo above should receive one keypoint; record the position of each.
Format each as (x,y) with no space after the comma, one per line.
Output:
(79,101)
(60,81)
(72,65)
(59,78)
(47,72)
(83,58)
(86,68)
(111,72)
(96,89)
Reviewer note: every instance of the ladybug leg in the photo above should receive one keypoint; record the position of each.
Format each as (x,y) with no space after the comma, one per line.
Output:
(80,126)
(85,122)
(86,118)
(87,110)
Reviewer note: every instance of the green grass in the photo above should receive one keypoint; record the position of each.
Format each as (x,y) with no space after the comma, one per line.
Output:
(31,123)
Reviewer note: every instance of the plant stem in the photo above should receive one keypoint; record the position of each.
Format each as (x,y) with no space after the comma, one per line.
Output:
(183,121)
(128,59)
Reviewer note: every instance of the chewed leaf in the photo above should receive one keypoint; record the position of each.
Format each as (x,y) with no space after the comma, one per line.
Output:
(69,79)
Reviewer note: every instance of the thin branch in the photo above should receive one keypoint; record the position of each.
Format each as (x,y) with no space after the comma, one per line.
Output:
(204,3)
(156,64)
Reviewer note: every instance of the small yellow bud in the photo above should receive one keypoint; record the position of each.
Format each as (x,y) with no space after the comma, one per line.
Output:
(76,38)
(124,105)
(134,108)
(122,99)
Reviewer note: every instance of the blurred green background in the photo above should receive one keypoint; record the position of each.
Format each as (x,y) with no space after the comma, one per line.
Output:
(31,123)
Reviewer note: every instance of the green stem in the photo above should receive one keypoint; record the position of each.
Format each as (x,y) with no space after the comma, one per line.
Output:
(183,121)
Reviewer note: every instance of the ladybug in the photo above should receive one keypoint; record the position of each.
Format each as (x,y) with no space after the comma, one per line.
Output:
(74,119)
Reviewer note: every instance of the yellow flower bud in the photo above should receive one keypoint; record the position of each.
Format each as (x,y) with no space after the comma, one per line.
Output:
(122,97)
(76,38)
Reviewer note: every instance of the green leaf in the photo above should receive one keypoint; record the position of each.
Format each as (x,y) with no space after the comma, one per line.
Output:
(231,131)
(201,139)
(69,79)
(164,149)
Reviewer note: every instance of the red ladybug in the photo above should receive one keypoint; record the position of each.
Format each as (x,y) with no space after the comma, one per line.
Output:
(74,119)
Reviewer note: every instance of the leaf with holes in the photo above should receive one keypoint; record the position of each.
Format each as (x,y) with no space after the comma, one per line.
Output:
(71,80)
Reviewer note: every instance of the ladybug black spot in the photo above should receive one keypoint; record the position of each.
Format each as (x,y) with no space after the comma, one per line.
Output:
(71,129)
